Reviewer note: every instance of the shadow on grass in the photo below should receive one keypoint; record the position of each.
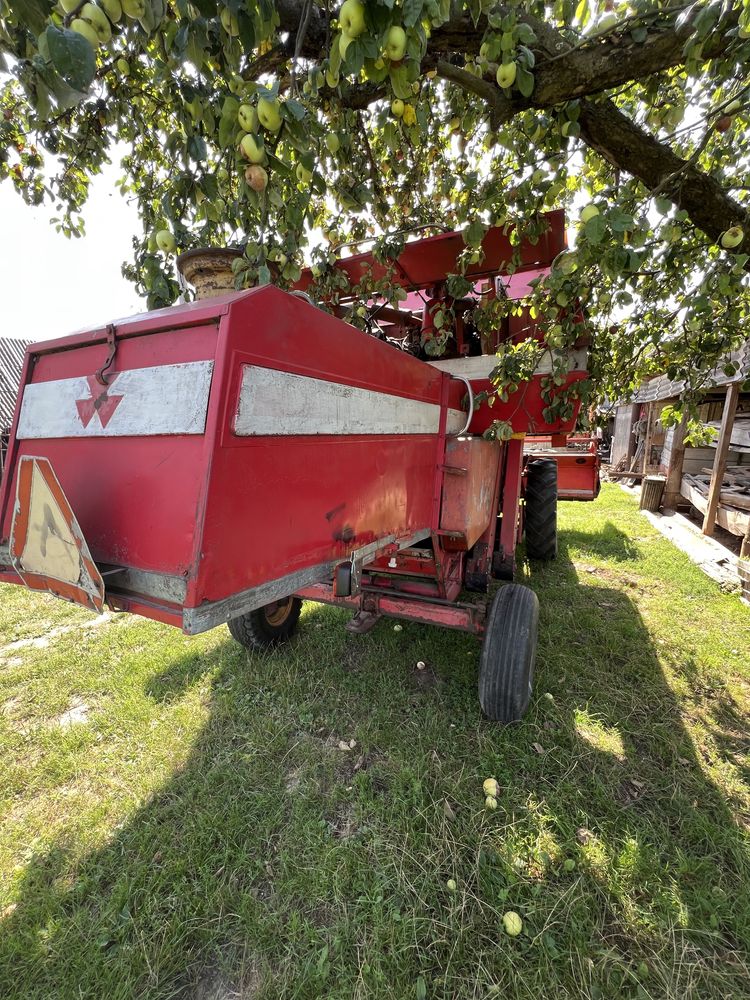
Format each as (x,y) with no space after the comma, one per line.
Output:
(275,864)
(608,543)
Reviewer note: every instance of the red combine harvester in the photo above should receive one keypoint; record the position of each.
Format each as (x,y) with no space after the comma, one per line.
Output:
(222,461)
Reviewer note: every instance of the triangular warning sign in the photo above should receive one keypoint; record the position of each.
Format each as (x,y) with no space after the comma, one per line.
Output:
(47,545)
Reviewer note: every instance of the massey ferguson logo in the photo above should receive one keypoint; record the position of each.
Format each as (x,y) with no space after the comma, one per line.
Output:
(100,402)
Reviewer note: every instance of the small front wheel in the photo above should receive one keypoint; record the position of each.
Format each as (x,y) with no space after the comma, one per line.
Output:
(268,626)
(506,664)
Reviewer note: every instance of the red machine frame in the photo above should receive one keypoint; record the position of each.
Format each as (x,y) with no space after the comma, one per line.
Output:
(433,508)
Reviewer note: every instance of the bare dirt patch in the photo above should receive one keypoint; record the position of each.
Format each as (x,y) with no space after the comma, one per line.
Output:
(42,641)
(76,713)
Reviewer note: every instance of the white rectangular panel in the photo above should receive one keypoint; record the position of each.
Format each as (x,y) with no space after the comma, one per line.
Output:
(164,399)
(280,403)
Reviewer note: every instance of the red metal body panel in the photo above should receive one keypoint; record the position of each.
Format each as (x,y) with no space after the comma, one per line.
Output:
(320,497)
(523,409)
(221,513)
(135,498)
(428,261)
(577,463)
(471,472)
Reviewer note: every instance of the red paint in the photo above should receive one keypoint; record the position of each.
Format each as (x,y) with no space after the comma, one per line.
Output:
(510,522)
(99,402)
(577,461)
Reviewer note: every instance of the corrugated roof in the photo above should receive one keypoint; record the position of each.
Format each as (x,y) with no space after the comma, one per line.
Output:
(11,363)
(665,388)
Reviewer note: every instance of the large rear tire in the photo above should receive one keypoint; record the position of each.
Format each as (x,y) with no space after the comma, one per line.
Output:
(541,509)
(506,663)
(268,626)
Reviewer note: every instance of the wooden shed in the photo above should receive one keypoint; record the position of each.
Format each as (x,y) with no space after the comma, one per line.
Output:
(713,478)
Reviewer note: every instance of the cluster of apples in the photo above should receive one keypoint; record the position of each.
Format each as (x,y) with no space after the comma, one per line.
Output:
(94,22)
(352,21)
(266,116)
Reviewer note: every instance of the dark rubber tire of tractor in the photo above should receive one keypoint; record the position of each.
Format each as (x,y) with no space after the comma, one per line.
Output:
(506,663)
(541,510)
(255,631)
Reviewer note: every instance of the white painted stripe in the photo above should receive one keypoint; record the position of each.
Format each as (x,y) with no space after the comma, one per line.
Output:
(279,403)
(483,364)
(164,399)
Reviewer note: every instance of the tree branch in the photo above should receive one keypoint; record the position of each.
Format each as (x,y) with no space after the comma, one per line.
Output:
(631,148)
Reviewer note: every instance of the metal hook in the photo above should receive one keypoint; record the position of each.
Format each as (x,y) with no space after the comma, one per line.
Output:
(100,376)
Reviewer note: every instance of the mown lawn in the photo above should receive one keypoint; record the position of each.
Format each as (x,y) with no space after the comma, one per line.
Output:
(192,829)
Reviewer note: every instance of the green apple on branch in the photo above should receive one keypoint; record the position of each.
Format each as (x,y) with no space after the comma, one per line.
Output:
(98,20)
(134,9)
(256,177)
(269,114)
(113,10)
(165,241)
(253,148)
(86,29)
(395,45)
(247,117)
(352,18)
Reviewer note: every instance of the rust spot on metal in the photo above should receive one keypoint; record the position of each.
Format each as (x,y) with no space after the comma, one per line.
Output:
(336,510)
(345,534)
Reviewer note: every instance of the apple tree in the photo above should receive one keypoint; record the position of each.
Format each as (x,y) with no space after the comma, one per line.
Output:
(291,126)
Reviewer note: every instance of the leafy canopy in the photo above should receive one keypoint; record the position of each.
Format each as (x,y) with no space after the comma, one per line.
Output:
(397,113)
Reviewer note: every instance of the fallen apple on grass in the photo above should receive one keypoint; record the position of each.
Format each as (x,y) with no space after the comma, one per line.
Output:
(512,923)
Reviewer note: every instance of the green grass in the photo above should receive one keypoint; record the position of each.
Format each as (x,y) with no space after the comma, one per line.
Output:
(200,834)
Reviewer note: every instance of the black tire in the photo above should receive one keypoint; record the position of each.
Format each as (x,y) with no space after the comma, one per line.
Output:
(268,626)
(506,663)
(541,509)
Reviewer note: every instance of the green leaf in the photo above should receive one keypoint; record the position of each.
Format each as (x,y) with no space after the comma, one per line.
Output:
(264,275)
(246,27)
(421,988)
(400,82)
(457,286)
(583,13)
(297,109)
(411,12)
(227,129)
(595,229)
(524,80)
(474,234)
(72,56)
(334,57)
(33,13)
(528,56)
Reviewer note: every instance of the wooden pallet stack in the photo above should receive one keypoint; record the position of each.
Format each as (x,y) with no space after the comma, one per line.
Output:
(735,486)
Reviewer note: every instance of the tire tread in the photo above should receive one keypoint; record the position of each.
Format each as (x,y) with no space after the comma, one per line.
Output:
(541,510)
(254,631)
(506,662)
